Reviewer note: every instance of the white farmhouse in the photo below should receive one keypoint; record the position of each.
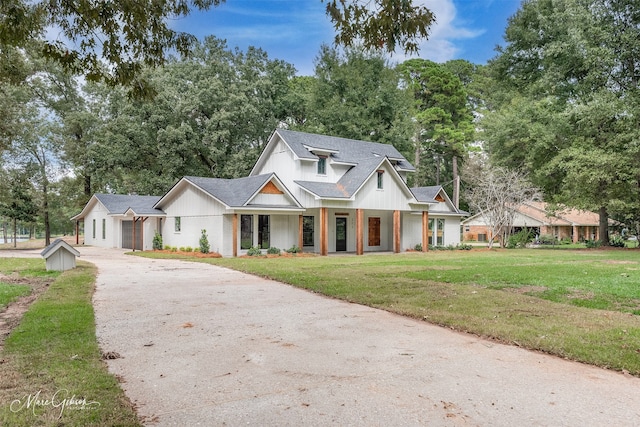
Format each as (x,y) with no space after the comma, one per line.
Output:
(323,194)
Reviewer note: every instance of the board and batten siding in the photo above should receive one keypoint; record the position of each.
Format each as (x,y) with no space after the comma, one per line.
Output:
(390,197)
(197,211)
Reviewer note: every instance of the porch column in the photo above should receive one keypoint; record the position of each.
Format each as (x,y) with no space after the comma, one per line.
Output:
(77,232)
(324,232)
(234,231)
(359,231)
(142,221)
(396,231)
(425,231)
(575,234)
(300,232)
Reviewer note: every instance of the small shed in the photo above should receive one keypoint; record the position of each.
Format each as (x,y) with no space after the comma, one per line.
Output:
(60,256)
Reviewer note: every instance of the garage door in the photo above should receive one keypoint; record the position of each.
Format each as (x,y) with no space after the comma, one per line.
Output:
(127,234)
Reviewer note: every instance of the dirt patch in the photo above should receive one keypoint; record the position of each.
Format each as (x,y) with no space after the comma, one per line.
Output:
(527,289)
(11,315)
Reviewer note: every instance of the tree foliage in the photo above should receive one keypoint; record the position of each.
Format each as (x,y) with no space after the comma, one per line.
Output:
(572,69)
(356,95)
(114,41)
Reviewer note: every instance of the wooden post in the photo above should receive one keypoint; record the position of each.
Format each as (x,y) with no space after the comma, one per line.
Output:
(300,232)
(425,231)
(234,231)
(359,231)
(396,231)
(77,232)
(324,232)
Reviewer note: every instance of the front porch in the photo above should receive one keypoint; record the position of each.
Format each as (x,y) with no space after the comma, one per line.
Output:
(332,230)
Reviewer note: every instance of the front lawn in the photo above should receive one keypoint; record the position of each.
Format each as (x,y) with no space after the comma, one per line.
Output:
(579,304)
(51,370)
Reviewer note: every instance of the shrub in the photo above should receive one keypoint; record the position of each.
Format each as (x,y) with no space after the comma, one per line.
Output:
(167,247)
(182,249)
(204,242)
(157,242)
(418,247)
(520,239)
(294,250)
(173,249)
(617,241)
(196,250)
(547,239)
(254,251)
(592,244)
(464,247)
(188,249)
(273,251)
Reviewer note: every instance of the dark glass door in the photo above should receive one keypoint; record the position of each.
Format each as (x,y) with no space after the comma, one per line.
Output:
(341,234)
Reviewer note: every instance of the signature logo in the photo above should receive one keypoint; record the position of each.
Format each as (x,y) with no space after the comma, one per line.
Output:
(60,400)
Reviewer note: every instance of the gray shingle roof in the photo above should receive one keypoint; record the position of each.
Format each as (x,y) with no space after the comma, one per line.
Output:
(426,194)
(119,204)
(232,192)
(348,150)
(348,184)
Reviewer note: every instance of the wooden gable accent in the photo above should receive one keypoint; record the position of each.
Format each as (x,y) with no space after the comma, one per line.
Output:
(439,198)
(270,188)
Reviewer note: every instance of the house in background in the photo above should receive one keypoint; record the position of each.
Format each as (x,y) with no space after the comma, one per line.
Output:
(574,224)
(323,194)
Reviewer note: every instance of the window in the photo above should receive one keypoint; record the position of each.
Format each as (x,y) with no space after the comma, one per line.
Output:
(307,231)
(104,228)
(440,232)
(374,231)
(322,165)
(380,180)
(94,229)
(246,231)
(263,231)
(178,224)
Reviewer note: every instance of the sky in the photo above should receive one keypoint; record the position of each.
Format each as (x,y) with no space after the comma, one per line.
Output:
(294,30)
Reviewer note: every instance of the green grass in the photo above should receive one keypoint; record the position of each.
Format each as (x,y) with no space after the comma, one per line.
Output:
(54,350)
(578,304)
(9,293)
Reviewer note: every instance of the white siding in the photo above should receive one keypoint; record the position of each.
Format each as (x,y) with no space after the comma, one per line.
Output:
(411,231)
(197,212)
(390,197)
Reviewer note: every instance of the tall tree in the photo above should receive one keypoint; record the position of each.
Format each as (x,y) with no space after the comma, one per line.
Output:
(443,120)
(574,63)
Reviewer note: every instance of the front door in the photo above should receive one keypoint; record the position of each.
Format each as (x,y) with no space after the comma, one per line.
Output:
(341,234)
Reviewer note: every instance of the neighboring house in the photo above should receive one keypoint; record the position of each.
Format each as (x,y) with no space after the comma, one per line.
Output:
(323,194)
(574,224)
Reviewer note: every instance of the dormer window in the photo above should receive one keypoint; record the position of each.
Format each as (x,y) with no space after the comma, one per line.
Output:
(380,179)
(322,165)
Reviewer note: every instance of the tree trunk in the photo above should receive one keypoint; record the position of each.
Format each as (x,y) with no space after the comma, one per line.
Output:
(456,183)
(603,227)
(87,184)
(15,233)
(4,231)
(45,212)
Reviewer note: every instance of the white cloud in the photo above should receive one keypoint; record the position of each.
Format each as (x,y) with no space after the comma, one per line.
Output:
(440,46)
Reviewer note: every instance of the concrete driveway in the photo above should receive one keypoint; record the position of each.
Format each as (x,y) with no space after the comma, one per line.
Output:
(203,345)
